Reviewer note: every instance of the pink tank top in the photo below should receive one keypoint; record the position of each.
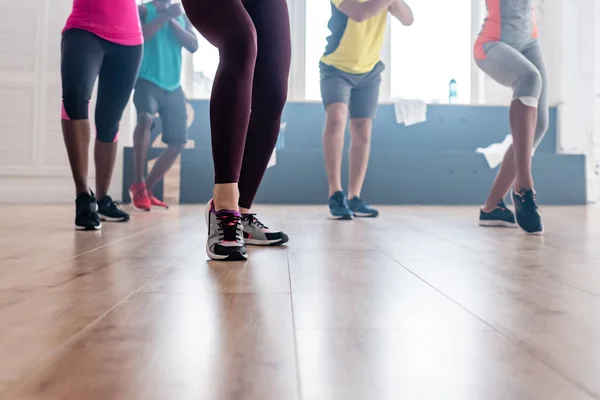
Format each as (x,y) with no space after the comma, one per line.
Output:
(117,21)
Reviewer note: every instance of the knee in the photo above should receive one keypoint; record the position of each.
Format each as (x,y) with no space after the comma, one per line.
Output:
(75,104)
(107,131)
(239,50)
(144,121)
(529,87)
(335,118)
(361,131)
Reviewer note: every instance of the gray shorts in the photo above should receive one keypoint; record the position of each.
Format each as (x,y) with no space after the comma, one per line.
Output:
(359,91)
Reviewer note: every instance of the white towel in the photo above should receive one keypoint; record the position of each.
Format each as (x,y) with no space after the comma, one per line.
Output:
(410,112)
(273,160)
(494,153)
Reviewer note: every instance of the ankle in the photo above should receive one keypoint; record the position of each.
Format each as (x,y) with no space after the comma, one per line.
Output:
(334,191)
(352,195)
(487,208)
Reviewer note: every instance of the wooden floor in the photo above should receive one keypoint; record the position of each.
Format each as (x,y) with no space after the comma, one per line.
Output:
(418,304)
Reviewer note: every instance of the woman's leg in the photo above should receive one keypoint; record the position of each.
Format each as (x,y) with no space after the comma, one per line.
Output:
(227,25)
(269,93)
(510,68)
(82,56)
(117,77)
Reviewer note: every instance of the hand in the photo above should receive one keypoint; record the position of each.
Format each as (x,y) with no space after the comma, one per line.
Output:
(174,11)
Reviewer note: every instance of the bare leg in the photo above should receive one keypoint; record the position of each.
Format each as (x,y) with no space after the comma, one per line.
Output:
(523,120)
(226,196)
(162,165)
(141,144)
(333,144)
(360,148)
(105,155)
(77,140)
(504,181)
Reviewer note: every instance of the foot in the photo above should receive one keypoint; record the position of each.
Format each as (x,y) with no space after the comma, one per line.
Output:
(257,234)
(139,196)
(110,210)
(225,235)
(499,216)
(338,206)
(86,213)
(156,202)
(361,209)
(526,212)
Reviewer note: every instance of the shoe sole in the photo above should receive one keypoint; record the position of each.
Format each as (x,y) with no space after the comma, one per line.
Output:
(112,219)
(267,243)
(134,206)
(365,215)
(88,228)
(340,217)
(538,233)
(497,224)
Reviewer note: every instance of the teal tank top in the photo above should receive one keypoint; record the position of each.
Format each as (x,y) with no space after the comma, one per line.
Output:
(161,63)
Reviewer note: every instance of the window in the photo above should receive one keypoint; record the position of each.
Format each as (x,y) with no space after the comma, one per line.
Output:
(426,56)
(318,13)
(205,62)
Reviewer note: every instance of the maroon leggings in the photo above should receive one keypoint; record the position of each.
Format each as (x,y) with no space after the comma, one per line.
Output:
(253,38)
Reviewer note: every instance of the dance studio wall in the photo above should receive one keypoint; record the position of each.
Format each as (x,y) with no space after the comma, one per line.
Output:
(33,160)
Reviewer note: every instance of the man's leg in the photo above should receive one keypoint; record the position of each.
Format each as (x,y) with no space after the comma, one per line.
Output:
(144,99)
(336,115)
(173,114)
(363,107)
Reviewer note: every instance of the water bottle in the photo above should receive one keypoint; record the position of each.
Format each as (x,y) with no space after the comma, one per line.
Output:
(453,97)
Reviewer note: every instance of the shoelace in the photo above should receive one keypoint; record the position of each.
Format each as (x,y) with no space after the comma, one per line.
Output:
(228,227)
(252,220)
(528,201)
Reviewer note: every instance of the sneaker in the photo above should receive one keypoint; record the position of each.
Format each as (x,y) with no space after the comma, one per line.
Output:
(526,212)
(139,196)
(225,235)
(257,234)
(499,216)
(156,202)
(86,213)
(338,206)
(361,209)
(110,210)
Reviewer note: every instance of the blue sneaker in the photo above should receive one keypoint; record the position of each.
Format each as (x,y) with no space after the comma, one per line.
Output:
(362,209)
(338,206)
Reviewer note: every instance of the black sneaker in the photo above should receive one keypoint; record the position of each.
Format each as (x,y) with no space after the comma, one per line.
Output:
(109,210)
(86,213)
(499,216)
(526,212)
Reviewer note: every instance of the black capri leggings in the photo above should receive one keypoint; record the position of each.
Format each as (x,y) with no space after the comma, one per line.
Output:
(86,57)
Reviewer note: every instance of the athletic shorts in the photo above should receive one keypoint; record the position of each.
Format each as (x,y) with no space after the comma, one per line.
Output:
(149,98)
(359,91)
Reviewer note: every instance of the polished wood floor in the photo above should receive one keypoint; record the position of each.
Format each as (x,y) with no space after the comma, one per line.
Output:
(418,304)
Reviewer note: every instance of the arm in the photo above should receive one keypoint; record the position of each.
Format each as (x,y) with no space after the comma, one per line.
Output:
(186,36)
(360,11)
(402,12)
(150,29)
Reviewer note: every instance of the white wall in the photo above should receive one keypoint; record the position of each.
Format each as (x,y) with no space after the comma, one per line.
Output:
(33,160)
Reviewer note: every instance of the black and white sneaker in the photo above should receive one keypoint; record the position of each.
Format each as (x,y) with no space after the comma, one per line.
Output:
(499,216)
(110,210)
(86,213)
(527,214)
(258,234)
(225,235)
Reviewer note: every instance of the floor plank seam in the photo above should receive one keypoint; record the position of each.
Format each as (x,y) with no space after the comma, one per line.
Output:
(504,335)
(42,359)
(297,353)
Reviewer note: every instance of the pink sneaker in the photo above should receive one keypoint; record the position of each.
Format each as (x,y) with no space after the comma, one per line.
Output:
(156,202)
(139,196)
